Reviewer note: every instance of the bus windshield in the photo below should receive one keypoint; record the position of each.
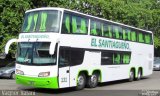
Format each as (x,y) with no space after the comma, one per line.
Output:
(42,21)
(35,53)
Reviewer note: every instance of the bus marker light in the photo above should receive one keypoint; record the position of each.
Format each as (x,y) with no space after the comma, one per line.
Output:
(44,74)
(19,72)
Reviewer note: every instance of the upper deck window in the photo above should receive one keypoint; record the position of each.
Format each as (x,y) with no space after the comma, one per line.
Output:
(148,38)
(96,28)
(74,24)
(42,21)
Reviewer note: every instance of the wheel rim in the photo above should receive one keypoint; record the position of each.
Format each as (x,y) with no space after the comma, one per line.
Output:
(94,79)
(80,80)
(139,75)
(131,75)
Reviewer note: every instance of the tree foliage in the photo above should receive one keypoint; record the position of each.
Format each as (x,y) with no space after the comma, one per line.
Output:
(143,14)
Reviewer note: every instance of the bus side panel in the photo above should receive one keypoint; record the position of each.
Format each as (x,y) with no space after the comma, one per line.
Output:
(142,56)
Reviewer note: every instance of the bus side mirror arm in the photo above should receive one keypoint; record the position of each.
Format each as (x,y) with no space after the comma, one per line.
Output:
(8,45)
(52,47)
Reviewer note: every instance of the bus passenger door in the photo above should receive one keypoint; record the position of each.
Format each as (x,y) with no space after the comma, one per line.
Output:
(64,69)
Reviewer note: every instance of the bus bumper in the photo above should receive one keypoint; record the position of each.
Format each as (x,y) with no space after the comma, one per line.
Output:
(38,82)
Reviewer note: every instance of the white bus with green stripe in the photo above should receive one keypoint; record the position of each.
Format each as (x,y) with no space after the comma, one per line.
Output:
(59,48)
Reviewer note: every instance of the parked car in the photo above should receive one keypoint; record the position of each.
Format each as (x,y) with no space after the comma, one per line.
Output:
(8,71)
(156,65)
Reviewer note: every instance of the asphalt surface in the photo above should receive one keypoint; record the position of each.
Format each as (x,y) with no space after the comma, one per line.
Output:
(148,86)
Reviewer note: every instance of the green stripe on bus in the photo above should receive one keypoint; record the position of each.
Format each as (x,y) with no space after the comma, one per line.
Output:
(67,24)
(74,25)
(29,23)
(38,82)
(43,21)
(35,21)
(83,26)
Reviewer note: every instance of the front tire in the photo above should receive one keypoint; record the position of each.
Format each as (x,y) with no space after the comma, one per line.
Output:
(92,81)
(81,82)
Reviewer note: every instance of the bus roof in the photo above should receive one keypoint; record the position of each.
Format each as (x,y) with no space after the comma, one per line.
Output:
(63,9)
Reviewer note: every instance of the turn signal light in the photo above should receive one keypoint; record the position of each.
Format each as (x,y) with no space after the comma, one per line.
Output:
(19,72)
(44,74)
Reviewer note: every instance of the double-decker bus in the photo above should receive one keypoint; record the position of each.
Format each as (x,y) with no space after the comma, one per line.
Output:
(59,48)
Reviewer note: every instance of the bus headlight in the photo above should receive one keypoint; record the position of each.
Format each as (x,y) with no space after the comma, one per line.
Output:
(44,74)
(19,72)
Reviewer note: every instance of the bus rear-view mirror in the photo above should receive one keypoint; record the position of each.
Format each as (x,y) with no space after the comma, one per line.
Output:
(8,45)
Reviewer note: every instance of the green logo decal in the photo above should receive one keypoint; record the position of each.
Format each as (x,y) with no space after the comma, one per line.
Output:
(34,36)
(104,43)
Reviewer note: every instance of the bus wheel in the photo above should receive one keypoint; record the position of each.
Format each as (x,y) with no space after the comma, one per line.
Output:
(139,75)
(81,82)
(92,81)
(131,76)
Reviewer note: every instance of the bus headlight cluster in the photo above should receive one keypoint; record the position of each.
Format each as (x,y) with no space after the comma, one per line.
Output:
(19,72)
(44,74)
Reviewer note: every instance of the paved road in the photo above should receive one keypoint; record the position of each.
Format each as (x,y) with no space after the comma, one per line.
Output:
(116,88)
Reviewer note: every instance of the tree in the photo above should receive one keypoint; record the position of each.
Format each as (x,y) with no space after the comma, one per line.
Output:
(12,12)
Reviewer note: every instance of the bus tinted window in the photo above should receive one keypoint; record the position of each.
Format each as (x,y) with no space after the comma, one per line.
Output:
(77,56)
(124,34)
(95,28)
(70,56)
(110,31)
(120,33)
(141,37)
(64,57)
(126,58)
(117,32)
(106,30)
(147,38)
(73,24)
(106,58)
(66,24)
(114,58)
(79,25)
(133,36)
(128,34)
(42,21)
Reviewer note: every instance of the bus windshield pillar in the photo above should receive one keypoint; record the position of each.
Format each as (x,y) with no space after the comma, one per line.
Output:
(52,47)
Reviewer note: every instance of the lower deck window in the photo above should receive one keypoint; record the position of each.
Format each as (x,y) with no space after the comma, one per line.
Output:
(113,58)
(70,56)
